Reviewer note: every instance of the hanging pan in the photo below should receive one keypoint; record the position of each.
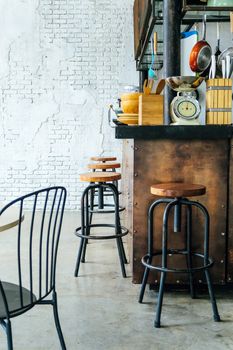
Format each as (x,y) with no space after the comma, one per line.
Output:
(200,56)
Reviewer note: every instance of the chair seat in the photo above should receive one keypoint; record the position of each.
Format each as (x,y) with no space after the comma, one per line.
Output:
(12,292)
(103,159)
(100,176)
(109,165)
(178,189)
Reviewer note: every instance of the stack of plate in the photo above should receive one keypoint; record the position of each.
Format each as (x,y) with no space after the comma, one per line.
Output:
(129,119)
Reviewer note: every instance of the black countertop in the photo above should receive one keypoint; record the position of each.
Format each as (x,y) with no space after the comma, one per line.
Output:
(185,132)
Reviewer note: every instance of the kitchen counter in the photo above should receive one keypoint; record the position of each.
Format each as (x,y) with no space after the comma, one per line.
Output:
(174,132)
(194,154)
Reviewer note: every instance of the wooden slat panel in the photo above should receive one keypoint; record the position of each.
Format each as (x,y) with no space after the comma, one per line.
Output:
(197,161)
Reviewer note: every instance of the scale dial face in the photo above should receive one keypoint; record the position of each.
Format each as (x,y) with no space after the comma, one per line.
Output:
(186,108)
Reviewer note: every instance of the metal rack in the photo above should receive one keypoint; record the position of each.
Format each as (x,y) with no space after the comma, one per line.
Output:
(166,18)
(190,14)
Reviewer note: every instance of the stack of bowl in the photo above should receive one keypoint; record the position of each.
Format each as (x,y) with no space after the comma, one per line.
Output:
(129,106)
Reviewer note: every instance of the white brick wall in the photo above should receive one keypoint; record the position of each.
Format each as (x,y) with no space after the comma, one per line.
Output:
(62,62)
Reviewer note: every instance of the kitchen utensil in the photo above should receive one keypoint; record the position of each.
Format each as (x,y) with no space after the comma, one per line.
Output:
(147,86)
(129,106)
(151,107)
(231,67)
(228,65)
(128,119)
(185,108)
(160,86)
(223,69)
(218,51)
(184,83)
(130,96)
(200,55)
(212,72)
(151,72)
(127,115)
(129,102)
(228,51)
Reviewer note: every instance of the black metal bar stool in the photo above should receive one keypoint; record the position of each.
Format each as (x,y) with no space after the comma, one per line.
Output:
(103,159)
(99,180)
(175,197)
(102,193)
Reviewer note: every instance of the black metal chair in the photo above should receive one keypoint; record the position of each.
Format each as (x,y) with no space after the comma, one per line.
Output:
(36,257)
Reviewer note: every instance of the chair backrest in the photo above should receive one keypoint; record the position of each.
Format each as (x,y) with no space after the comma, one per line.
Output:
(40,216)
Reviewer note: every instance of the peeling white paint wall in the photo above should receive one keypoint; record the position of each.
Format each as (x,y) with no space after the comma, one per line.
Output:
(62,62)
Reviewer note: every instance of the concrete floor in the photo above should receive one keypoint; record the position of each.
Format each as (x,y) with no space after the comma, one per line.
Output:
(99,310)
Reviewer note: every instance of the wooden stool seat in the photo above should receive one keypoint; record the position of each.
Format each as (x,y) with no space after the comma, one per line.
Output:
(109,165)
(103,159)
(100,176)
(178,189)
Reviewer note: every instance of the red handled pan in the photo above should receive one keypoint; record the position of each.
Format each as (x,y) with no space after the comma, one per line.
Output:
(200,56)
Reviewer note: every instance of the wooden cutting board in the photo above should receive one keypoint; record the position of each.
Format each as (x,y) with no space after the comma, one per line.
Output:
(150,109)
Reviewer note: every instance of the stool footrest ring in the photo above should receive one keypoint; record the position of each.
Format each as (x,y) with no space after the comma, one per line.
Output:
(124,232)
(147,257)
(104,210)
(107,193)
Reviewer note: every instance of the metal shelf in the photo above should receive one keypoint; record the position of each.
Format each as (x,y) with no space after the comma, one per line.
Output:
(190,14)
(156,21)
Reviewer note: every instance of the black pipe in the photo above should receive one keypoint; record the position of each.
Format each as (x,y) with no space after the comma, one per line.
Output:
(143,75)
(171,39)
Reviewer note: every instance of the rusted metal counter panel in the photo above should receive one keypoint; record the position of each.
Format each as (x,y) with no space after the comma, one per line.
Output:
(229,232)
(199,161)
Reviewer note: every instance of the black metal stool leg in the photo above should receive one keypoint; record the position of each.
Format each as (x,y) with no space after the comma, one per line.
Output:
(87,228)
(92,198)
(160,300)
(123,251)
(206,258)
(120,247)
(121,258)
(164,264)
(150,226)
(212,297)
(189,250)
(79,257)
(144,282)
(120,239)
(84,213)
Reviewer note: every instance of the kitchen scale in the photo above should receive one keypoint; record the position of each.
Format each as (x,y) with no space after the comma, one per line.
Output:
(185,108)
